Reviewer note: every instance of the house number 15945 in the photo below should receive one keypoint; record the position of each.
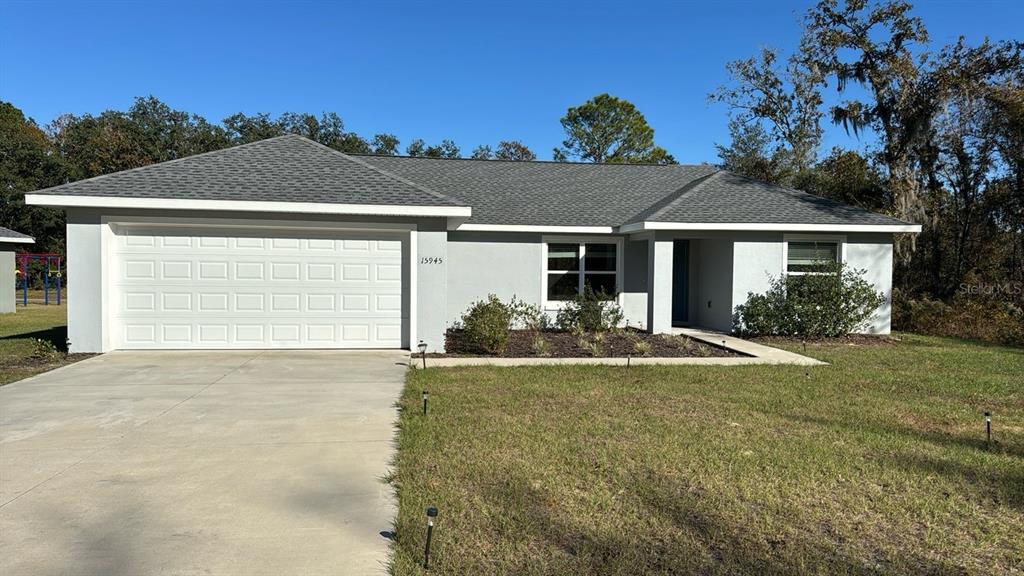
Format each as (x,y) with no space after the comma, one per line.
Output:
(431,260)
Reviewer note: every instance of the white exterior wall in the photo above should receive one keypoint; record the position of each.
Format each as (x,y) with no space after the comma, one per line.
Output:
(482,263)
(8,291)
(873,253)
(659,283)
(86,304)
(431,262)
(634,285)
(724,269)
(450,270)
(713,283)
(87,259)
(756,261)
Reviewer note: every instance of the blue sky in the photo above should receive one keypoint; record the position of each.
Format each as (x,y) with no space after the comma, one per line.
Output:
(476,72)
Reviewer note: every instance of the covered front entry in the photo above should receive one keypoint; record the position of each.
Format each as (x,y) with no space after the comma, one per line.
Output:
(690,280)
(680,283)
(208,287)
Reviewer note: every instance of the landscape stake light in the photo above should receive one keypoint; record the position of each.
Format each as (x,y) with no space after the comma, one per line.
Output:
(988,427)
(423,352)
(629,357)
(426,396)
(431,514)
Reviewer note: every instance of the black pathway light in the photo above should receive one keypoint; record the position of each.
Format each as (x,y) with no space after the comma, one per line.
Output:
(423,352)
(431,514)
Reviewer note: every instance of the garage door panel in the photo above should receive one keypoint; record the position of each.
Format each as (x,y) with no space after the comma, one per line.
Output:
(189,289)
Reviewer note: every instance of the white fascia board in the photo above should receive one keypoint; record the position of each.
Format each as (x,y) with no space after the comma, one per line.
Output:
(532,228)
(5,240)
(247,206)
(772,227)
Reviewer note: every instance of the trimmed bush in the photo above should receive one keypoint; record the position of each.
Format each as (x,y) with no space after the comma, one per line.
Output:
(487,323)
(834,301)
(590,312)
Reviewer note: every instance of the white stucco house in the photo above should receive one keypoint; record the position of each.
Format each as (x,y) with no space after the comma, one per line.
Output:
(286,243)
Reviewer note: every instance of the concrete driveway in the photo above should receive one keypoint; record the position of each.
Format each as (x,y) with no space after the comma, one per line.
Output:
(227,462)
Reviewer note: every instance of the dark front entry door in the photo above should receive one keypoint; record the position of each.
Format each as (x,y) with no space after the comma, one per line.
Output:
(680,282)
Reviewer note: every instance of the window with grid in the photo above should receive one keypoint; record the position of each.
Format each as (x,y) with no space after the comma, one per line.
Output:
(571,266)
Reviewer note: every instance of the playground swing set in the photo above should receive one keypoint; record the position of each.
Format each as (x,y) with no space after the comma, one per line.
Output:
(52,263)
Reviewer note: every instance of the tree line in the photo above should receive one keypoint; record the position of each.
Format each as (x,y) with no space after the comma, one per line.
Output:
(71,147)
(947,136)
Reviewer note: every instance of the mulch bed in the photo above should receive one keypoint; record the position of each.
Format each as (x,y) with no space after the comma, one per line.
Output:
(617,344)
(44,362)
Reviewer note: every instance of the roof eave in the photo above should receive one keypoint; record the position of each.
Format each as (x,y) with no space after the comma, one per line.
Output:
(9,240)
(75,201)
(768,227)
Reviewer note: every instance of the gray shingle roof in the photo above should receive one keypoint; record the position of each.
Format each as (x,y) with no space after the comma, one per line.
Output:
(283,169)
(7,235)
(546,193)
(725,197)
(567,194)
(295,169)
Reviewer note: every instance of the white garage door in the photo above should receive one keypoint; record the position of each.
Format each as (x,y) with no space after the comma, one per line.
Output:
(190,288)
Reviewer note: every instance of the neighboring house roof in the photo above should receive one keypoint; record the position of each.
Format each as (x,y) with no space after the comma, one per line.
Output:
(283,169)
(292,173)
(10,236)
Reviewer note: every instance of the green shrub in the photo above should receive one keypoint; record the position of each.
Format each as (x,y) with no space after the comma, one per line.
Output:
(487,323)
(44,349)
(590,312)
(526,316)
(834,301)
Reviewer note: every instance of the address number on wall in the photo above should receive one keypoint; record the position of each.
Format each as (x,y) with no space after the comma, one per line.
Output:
(431,260)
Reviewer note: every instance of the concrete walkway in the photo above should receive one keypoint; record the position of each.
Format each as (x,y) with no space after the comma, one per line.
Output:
(766,354)
(240,462)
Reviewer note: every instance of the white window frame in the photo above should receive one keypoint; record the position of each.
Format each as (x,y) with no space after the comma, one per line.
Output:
(839,239)
(582,241)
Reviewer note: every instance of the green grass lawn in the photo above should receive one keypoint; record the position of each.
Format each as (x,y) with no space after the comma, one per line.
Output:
(875,464)
(19,353)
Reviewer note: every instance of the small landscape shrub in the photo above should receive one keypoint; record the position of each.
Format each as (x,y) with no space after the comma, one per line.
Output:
(703,350)
(541,346)
(642,348)
(526,316)
(590,312)
(487,324)
(596,349)
(835,301)
(44,349)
